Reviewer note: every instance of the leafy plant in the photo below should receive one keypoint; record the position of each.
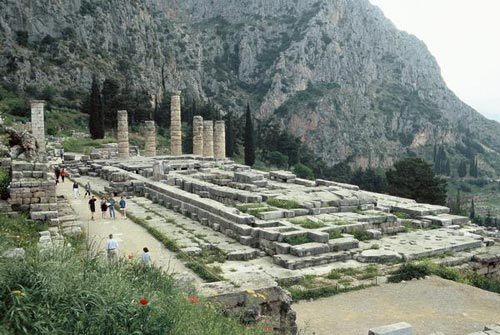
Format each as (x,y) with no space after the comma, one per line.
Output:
(307,223)
(361,234)
(296,240)
(283,203)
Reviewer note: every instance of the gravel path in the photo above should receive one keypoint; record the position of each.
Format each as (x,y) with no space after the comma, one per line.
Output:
(432,305)
(130,236)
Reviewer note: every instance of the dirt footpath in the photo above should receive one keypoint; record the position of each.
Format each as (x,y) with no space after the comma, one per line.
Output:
(431,305)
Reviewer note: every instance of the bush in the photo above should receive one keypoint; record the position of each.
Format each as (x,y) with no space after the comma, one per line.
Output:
(409,271)
(5,179)
(303,171)
(361,235)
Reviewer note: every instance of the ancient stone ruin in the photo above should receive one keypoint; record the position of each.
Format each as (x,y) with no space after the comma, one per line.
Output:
(38,123)
(150,139)
(175,125)
(122,133)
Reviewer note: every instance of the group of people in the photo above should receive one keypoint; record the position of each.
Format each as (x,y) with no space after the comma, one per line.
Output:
(108,204)
(112,251)
(60,173)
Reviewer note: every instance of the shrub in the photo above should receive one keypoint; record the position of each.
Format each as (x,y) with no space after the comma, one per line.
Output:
(361,234)
(303,171)
(5,179)
(409,271)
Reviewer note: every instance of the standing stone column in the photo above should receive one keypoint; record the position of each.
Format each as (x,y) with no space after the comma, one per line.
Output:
(220,140)
(149,138)
(175,125)
(208,138)
(38,123)
(198,135)
(123,145)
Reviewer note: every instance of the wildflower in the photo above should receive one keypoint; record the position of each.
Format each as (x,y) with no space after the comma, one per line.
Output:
(143,301)
(268,329)
(194,300)
(18,293)
(252,292)
(130,256)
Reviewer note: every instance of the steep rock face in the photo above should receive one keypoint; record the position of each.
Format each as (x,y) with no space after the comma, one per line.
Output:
(335,72)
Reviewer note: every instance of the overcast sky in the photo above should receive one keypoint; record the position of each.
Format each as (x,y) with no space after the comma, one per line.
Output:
(464,36)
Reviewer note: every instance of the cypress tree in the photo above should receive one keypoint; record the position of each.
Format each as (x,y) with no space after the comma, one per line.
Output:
(462,169)
(96,118)
(249,139)
(229,135)
(472,210)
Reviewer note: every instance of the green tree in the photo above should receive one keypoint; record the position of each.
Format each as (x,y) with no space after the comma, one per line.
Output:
(96,118)
(413,178)
(249,139)
(370,180)
(230,139)
(110,103)
(462,169)
(472,209)
(303,171)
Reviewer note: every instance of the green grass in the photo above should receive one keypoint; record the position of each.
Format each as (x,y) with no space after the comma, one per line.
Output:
(62,121)
(69,292)
(321,292)
(19,231)
(307,223)
(297,240)
(245,207)
(83,145)
(283,203)
(401,215)
(334,234)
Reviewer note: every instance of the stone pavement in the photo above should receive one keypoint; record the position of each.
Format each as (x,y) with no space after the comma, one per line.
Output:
(131,237)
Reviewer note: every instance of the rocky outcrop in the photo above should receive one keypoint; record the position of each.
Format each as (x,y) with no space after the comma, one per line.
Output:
(336,73)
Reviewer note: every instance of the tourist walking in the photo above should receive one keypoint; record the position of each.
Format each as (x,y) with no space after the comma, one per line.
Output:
(112,249)
(57,173)
(111,205)
(63,174)
(61,152)
(87,190)
(104,207)
(76,190)
(123,207)
(146,256)
(92,202)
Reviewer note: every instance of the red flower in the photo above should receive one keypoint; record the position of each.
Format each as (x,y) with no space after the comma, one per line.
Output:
(143,301)
(194,300)
(268,329)
(130,256)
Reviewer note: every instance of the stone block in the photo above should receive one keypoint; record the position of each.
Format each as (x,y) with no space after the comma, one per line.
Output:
(401,328)
(344,243)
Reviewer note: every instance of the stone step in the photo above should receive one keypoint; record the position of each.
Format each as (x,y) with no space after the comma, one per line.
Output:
(293,262)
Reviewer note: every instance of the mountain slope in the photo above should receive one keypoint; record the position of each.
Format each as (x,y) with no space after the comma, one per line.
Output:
(336,73)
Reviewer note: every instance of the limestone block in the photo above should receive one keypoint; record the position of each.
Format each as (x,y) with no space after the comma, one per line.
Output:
(219,140)
(401,328)
(198,135)
(175,125)
(208,138)
(149,138)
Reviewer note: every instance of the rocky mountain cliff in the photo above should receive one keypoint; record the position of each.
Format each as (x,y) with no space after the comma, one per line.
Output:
(336,73)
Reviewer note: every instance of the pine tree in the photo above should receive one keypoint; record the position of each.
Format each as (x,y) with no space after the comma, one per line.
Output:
(472,210)
(96,118)
(249,139)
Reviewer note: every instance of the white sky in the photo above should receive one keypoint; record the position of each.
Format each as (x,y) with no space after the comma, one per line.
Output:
(464,36)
